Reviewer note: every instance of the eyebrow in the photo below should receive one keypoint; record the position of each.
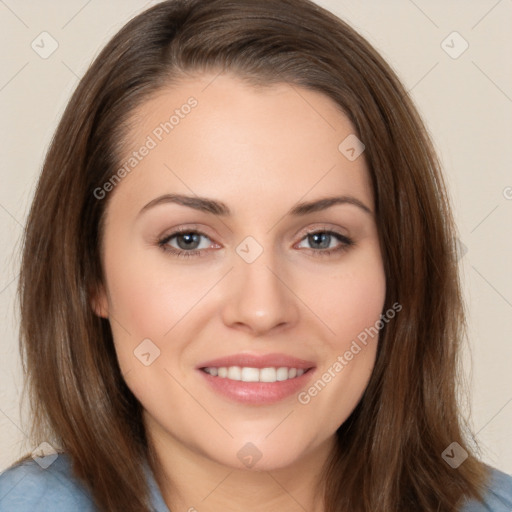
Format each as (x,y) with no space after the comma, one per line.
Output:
(219,208)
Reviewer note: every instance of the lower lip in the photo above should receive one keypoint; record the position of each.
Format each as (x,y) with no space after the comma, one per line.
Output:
(257,392)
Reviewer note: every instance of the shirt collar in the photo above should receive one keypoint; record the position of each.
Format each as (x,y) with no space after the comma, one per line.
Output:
(157,500)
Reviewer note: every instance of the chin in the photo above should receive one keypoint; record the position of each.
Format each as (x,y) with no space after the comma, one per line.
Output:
(259,456)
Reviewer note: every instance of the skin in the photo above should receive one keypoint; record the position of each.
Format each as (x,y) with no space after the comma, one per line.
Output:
(260,151)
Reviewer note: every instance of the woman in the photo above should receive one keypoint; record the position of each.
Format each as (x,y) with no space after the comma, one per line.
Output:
(239,285)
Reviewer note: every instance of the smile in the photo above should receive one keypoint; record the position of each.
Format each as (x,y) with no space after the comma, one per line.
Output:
(249,374)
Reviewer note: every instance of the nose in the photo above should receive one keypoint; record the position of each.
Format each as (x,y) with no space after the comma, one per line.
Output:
(259,297)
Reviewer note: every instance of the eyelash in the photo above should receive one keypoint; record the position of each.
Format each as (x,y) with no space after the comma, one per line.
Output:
(162,243)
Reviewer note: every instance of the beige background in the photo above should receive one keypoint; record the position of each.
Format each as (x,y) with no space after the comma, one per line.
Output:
(466,103)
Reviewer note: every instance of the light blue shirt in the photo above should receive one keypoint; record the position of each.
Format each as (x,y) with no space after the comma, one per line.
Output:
(28,487)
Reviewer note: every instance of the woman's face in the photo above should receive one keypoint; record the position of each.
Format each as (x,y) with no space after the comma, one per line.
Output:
(247,278)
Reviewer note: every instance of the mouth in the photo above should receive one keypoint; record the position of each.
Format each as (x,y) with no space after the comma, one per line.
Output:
(256,379)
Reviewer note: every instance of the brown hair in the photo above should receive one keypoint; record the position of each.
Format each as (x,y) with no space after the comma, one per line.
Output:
(388,454)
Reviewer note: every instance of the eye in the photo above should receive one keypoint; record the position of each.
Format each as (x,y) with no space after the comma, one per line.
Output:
(325,243)
(188,243)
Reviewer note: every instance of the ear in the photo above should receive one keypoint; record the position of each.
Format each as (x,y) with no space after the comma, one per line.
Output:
(99,301)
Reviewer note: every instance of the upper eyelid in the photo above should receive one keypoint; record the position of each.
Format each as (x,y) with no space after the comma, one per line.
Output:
(177,232)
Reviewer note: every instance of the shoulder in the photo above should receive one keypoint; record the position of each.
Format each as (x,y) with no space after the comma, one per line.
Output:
(497,496)
(45,484)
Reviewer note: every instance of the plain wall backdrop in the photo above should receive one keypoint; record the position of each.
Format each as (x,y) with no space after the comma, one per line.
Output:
(454,56)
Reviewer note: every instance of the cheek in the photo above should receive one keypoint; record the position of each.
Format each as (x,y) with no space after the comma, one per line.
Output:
(351,301)
(352,309)
(358,306)
(148,299)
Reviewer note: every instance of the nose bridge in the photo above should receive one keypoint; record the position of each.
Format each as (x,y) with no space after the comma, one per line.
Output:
(257,296)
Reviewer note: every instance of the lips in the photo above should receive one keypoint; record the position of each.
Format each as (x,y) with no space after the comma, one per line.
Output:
(258,361)
(256,393)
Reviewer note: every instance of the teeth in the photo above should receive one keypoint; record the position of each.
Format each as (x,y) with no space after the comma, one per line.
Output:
(235,373)
(267,375)
(247,374)
(282,374)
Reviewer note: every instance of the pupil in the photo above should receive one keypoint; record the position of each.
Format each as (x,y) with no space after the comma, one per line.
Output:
(189,238)
(325,239)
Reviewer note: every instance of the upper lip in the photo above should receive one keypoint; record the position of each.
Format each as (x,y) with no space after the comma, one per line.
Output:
(258,361)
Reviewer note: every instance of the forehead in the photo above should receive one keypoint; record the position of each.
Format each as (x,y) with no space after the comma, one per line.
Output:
(220,136)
